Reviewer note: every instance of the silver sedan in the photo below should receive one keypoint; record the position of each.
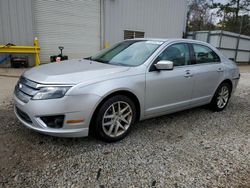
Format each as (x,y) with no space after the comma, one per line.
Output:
(134,80)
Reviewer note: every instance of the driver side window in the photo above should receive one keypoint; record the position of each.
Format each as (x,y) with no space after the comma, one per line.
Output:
(177,53)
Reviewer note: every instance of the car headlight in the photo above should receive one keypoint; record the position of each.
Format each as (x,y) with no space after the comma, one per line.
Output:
(50,93)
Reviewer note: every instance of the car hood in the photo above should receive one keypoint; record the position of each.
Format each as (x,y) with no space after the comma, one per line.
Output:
(73,72)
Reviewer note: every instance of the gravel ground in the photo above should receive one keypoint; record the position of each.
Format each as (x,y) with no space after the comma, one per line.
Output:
(193,148)
(7,86)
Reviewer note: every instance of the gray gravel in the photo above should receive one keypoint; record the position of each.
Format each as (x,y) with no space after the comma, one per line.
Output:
(193,148)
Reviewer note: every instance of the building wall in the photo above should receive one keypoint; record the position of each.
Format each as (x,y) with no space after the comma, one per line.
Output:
(22,20)
(74,24)
(16,22)
(157,18)
(16,26)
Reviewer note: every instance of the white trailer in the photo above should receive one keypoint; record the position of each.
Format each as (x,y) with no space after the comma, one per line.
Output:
(232,45)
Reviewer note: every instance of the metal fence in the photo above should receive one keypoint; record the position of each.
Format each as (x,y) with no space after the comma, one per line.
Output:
(232,45)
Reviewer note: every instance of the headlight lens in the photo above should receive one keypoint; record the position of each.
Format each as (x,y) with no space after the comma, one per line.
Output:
(50,93)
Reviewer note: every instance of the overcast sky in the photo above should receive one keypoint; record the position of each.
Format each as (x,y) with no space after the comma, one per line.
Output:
(217,19)
(221,1)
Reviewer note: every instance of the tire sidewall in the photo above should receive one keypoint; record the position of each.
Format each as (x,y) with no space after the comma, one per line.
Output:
(214,100)
(98,123)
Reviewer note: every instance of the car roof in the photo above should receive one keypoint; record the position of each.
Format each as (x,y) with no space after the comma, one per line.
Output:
(168,40)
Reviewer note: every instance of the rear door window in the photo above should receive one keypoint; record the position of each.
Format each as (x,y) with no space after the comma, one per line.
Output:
(204,54)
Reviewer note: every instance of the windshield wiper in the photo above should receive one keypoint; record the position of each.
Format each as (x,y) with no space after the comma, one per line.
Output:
(122,64)
(107,62)
(88,58)
(100,60)
(97,60)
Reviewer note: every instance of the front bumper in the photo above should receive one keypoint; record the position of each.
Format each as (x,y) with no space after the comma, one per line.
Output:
(72,107)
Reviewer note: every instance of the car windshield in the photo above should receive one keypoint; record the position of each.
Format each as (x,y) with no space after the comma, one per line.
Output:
(127,53)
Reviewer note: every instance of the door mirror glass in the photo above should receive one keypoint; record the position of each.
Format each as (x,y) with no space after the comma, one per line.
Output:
(164,65)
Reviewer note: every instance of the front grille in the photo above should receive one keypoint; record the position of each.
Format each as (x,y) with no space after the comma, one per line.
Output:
(23,116)
(25,89)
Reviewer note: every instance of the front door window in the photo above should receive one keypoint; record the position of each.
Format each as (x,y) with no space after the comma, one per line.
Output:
(177,53)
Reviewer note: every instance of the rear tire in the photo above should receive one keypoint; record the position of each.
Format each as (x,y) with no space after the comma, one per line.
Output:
(115,118)
(221,97)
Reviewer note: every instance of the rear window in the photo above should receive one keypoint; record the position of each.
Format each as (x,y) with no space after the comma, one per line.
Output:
(204,54)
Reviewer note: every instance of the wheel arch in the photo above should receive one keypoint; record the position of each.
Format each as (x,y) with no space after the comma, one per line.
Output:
(126,93)
(228,81)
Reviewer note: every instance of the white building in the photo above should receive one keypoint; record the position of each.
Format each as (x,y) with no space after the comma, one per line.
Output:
(85,26)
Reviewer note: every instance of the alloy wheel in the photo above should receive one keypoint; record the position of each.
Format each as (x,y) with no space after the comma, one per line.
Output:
(117,119)
(223,97)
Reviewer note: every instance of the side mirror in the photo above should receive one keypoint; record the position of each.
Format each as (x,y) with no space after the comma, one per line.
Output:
(164,65)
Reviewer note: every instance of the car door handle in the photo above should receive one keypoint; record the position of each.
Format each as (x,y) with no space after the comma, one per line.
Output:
(219,70)
(188,74)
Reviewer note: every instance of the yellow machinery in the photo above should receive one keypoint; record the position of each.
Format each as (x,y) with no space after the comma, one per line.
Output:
(10,49)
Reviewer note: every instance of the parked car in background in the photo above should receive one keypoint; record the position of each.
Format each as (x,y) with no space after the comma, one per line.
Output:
(131,81)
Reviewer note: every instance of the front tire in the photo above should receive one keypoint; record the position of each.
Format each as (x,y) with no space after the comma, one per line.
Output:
(221,97)
(115,118)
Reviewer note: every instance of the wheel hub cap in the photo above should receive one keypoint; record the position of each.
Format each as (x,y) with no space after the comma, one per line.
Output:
(223,97)
(117,119)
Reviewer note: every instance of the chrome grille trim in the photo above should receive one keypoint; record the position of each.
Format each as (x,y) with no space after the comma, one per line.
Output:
(22,96)
(28,83)
(25,89)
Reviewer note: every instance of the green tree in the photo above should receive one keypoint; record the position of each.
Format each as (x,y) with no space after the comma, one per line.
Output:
(198,16)
(234,15)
